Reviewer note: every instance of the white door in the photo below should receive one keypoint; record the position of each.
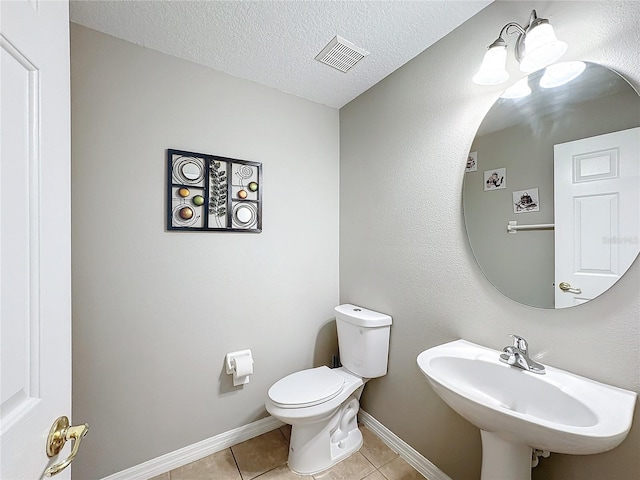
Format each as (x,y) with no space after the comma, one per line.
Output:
(35,260)
(597,218)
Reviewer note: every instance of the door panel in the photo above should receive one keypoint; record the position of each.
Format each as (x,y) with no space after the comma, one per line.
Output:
(596,218)
(35,287)
(19,240)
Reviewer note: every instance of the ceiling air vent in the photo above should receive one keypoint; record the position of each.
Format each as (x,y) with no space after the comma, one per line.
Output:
(341,54)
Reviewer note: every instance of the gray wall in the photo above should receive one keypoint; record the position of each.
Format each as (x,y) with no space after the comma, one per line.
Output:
(155,312)
(522,266)
(404,251)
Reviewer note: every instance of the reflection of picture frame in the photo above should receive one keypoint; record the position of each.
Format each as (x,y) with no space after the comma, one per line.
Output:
(525,201)
(472,162)
(495,179)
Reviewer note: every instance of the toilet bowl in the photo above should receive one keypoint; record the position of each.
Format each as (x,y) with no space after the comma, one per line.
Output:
(321,404)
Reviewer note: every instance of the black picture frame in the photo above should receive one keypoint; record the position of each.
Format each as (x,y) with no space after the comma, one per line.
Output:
(210,193)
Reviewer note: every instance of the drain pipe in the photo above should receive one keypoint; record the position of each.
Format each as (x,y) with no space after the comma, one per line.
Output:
(536,454)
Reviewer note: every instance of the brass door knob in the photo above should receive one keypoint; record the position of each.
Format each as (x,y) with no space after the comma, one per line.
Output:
(566,287)
(58,435)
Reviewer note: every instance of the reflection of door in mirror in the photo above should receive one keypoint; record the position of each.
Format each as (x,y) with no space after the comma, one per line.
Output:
(597,186)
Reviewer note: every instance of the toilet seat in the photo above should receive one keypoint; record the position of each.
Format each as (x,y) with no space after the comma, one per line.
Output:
(306,388)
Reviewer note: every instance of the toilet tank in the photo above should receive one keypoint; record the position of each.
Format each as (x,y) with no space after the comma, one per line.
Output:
(363,340)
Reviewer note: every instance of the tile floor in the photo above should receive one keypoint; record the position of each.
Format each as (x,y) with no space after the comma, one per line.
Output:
(265,458)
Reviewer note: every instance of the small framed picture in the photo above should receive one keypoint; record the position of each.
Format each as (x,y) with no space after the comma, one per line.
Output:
(472,162)
(525,201)
(495,179)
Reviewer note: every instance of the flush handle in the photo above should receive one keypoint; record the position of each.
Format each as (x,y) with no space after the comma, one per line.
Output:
(58,435)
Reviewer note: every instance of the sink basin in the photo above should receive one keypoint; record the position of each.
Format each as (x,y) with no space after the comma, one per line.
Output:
(518,410)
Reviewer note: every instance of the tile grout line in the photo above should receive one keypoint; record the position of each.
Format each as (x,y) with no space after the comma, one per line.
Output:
(233,455)
(257,477)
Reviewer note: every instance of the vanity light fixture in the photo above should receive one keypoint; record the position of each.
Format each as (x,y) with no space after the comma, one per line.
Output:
(535,48)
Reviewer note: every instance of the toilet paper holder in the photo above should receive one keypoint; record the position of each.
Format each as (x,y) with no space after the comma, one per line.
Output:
(240,365)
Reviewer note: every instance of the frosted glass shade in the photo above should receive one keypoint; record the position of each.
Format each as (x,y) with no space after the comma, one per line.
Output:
(520,89)
(561,73)
(493,71)
(541,48)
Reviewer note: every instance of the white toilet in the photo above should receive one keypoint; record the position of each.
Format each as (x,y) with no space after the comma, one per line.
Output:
(321,404)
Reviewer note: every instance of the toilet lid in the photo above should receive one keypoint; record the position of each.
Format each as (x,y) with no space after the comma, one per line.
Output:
(306,388)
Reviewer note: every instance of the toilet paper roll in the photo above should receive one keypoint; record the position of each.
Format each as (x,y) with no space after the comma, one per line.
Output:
(244,366)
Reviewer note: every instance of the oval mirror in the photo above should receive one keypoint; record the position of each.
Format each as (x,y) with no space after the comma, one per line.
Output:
(551,193)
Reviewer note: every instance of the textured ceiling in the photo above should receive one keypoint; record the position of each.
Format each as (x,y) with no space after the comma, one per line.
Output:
(274,43)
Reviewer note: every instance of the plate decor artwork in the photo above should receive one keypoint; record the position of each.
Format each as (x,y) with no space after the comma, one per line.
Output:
(214,194)
(244,214)
(184,216)
(188,170)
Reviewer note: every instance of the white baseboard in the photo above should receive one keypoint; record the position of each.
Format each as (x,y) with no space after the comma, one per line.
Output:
(191,453)
(412,457)
(194,452)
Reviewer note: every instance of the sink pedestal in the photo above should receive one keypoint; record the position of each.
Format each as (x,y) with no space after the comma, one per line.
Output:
(504,460)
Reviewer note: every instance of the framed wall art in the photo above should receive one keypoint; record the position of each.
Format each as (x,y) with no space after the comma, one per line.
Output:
(525,201)
(472,162)
(495,179)
(213,194)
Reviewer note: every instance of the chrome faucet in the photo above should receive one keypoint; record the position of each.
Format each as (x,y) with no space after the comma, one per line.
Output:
(518,356)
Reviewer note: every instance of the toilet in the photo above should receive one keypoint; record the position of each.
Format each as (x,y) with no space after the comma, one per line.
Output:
(321,404)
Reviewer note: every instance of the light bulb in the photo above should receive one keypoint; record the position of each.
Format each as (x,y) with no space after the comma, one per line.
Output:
(541,48)
(520,89)
(493,71)
(561,73)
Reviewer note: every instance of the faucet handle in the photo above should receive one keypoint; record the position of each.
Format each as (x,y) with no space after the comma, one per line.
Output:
(519,343)
(509,356)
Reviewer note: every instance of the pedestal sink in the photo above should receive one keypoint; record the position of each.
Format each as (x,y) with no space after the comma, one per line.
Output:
(518,410)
